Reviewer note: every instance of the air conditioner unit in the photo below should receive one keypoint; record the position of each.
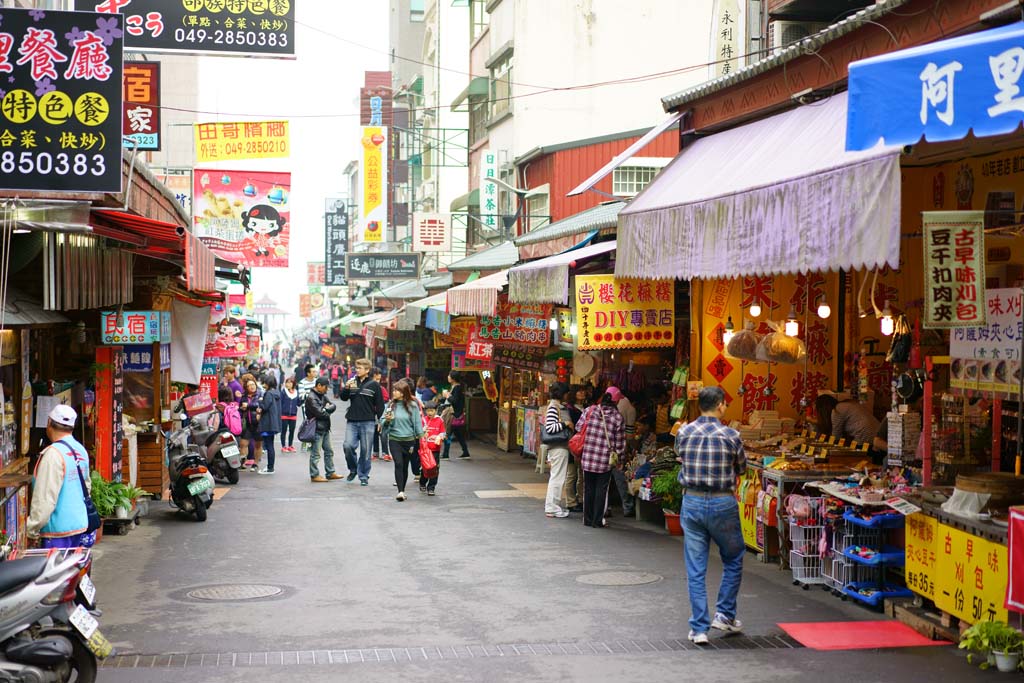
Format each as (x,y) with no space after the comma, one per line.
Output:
(784,33)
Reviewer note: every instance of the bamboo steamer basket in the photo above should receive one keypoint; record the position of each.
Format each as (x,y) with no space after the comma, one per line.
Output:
(1004,488)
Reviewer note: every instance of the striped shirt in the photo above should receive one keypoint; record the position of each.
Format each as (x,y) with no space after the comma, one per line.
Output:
(554,421)
(596,441)
(712,454)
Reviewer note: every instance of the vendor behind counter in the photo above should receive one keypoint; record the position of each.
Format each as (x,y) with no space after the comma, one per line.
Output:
(850,419)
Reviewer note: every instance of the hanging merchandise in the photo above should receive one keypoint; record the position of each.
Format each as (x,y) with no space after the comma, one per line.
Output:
(779,347)
(902,340)
(630,380)
(744,343)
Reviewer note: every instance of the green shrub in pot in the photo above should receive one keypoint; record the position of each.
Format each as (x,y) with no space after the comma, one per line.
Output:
(666,487)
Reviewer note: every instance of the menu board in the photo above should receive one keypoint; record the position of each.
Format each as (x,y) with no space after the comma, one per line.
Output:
(987,357)
(517,324)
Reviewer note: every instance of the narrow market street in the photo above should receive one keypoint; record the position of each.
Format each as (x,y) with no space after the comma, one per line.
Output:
(474,584)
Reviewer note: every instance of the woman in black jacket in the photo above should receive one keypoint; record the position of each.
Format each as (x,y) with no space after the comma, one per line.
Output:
(457,428)
(270,419)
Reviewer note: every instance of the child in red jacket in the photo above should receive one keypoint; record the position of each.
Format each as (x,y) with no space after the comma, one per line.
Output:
(435,434)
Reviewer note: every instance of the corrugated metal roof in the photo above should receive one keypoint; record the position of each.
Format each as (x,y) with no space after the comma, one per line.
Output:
(504,255)
(438,281)
(808,45)
(21,309)
(601,216)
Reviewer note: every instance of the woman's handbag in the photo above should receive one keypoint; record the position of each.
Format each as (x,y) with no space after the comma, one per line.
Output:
(307,430)
(577,441)
(459,421)
(613,455)
(558,438)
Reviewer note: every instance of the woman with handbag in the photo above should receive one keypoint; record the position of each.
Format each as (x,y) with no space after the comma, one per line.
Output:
(605,439)
(555,435)
(270,419)
(250,409)
(457,428)
(403,428)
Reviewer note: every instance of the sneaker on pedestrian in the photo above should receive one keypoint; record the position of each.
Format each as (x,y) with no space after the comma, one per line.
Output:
(254,468)
(464,456)
(334,476)
(375,456)
(250,463)
(364,482)
(351,476)
(698,638)
(724,623)
(561,514)
(431,492)
(444,457)
(423,489)
(318,479)
(576,508)
(400,497)
(266,471)
(386,458)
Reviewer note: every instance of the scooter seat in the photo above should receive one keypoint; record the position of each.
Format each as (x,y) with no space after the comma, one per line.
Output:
(16,573)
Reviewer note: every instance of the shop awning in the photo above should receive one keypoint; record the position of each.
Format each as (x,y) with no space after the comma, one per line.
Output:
(503,255)
(22,309)
(434,307)
(464,201)
(547,280)
(939,91)
(780,195)
(479,297)
(476,88)
(604,215)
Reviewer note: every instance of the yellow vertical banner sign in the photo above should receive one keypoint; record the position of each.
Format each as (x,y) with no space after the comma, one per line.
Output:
(373,208)
(922,534)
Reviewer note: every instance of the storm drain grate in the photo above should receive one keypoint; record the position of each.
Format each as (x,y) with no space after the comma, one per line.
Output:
(417,654)
(231,592)
(618,578)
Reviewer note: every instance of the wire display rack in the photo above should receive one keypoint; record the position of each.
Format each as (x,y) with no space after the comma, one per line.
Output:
(806,526)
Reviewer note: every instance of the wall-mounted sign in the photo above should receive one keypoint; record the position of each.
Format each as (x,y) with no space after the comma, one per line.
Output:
(954,268)
(431,232)
(244,216)
(385,266)
(140,115)
(315,273)
(488,190)
(135,327)
(139,357)
(373,206)
(624,314)
(60,123)
(375,107)
(241,27)
(517,324)
(479,348)
(336,240)
(241,140)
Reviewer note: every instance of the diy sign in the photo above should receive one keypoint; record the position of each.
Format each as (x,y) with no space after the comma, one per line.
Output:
(624,313)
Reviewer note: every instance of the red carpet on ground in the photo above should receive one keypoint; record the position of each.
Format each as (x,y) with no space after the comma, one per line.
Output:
(856,635)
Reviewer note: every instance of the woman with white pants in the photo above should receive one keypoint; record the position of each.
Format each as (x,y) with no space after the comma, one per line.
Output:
(557,430)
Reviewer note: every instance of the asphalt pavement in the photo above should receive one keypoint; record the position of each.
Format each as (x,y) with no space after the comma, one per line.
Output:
(293,580)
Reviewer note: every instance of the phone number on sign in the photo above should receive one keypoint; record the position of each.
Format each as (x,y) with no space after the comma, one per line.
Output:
(45,163)
(219,37)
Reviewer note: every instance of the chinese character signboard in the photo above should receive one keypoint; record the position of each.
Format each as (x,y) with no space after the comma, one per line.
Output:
(431,232)
(61,103)
(478,347)
(458,334)
(488,190)
(226,339)
(139,357)
(520,356)
(140,115)
(373,207)
(315,273)
(241,27)
(970,575)
(244,216)
(987,357)
(728,37)
(375,107)
(517,324)
(135,327)
(305,305)
(246,140)
(384,266)
(624,314)
(954,268)
(336,240)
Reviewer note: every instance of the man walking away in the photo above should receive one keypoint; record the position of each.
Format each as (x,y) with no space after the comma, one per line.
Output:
(366,405)
(319,407)
(58,512)
(712,458)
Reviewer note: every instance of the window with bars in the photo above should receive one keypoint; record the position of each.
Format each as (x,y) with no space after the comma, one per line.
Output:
(501,86)
(479,19)
(537,211)
(627,181)
(479,109)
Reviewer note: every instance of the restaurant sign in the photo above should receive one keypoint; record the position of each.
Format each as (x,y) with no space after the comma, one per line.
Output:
(954,269)
(135,327)
(383,266)
(517,324)
(987,357)
(61,101)
(241,27)
(615,313)
(140,115)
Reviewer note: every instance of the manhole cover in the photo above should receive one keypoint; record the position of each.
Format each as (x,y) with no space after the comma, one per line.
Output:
(618,578)
(235,591)
(474,509)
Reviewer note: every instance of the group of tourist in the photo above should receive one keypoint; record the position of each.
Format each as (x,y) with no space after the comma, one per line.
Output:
(380,423)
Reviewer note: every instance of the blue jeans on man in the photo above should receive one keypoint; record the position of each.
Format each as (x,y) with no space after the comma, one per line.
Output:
(707,518)
(321,441)
(359,436)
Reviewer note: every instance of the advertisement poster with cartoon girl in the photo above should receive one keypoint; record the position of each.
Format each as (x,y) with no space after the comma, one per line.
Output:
(227,339)
(244,216)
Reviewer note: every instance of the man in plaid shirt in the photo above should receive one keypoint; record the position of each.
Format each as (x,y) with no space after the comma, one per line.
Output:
(712,458)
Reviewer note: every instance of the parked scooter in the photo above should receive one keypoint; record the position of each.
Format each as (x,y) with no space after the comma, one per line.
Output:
(47,632)
(217,446)
(191,482)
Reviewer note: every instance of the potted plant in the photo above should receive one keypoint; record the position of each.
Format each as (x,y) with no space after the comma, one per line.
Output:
(139,498)
(109,496)
(667,488)
(1001,644)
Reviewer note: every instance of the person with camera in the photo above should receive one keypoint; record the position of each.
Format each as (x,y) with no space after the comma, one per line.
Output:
(366,406)
(320,408)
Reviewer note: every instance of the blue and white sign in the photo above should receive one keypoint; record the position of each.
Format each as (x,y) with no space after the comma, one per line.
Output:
(940,91)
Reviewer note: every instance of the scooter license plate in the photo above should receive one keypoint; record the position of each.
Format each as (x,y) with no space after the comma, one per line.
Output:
(88,589)
(198,486)
(229,452)
(84,623)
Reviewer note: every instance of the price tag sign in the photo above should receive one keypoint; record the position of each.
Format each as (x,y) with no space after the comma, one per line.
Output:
(902,506)
(831,440)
